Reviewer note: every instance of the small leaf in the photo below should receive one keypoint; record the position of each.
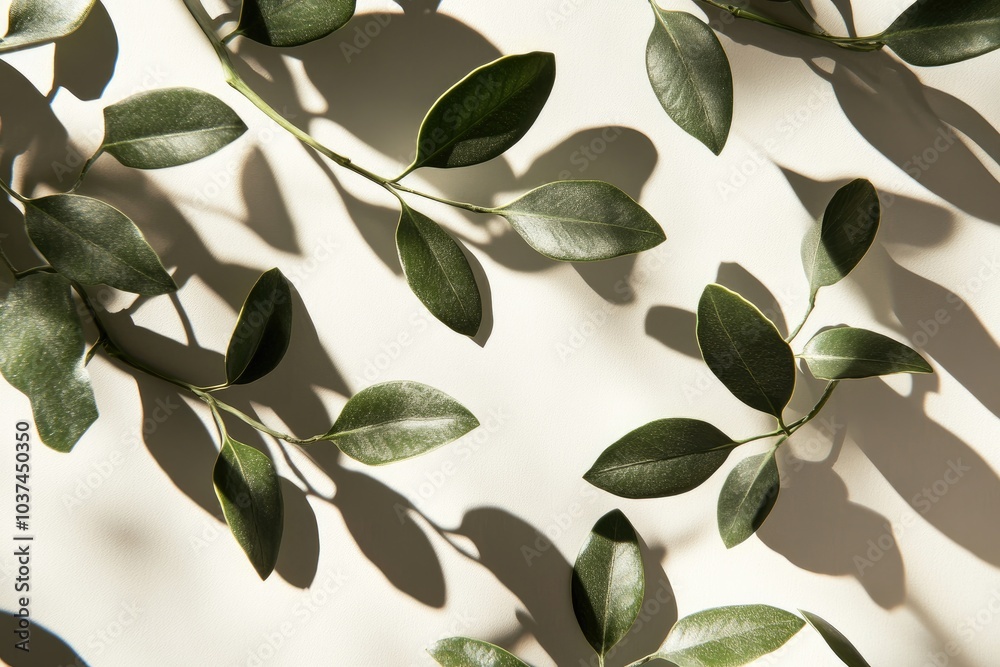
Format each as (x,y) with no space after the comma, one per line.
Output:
(663,458)
(293,22)
(93,243)
(34,22)
(169,127)
(941,32)
(438,272)
(847,353)
(747,498)
(745,351)
(394,421)
(262,331)
(582,221)
(250,494)
(485,113)
(728,636)
(690,74)
(41,355)
(463,652)
(840,644)
(608,582)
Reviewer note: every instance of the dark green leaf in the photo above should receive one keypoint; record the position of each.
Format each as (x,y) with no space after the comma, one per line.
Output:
(608,582)
(690,74)
(485,113)
(747,497)
(263,330)
(846,353)
(662,458)
(463,652)
(293,22)
(438,272)
(941,32)
(840,644)
(394,421)
(745,351)
(92,243)
(728,636)
(169,127)
(41,355)
(582,221)
(34,22)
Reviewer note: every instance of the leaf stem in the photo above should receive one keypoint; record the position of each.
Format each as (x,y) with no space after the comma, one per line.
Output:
(450,202)
(809,310)
(787,430)
(86,168)
(13,193)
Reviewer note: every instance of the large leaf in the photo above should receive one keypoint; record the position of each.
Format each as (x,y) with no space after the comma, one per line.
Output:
(846,353)
(608,582)
(940,32)
(463,652)
(745,351)
(92,242)
(690,74)
(41,355)
(582,221)
(394,421)
(662,458)
(747,498)
(438,272)
(168,127)
(34,22)
(293,22)
(250,494)
(836,640)
(728,636)
(263,330)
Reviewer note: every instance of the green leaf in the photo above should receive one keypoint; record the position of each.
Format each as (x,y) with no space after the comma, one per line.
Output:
(485,113)
(832,249)
(293,22)
(582,221)
(464,652)
(34,22)
(250,494)
(728,636)
(263,330)
(438,272)
(690,74)
(608,582)
(41,355)
(745,351)
(941,32)
(92,242)
(747,497)
(840,644)
(662,458)
(168,127)
(394,421)
(847,353)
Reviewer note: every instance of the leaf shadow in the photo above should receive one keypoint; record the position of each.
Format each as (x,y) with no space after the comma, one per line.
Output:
(85,59)
(47,648)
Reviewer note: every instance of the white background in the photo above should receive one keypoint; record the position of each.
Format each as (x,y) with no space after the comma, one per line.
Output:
(131,563)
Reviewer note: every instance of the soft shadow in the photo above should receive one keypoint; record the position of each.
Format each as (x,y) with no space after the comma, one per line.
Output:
(267,214)
(298,558)
(47,648)
(85,59)
(741,281)
(674,327)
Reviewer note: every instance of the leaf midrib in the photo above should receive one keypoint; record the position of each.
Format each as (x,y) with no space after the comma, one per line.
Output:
(171,135)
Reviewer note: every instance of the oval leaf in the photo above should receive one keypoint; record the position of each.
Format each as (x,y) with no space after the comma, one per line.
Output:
(438,272)
(835,639)
(263,330)
(745,351)
(170,127)
(34,22)
(728,636)
(941,32)
(747,498)
(92,242)
(582,221)
(485,113)
(662,458)
(41,355)
(690,74)
(398,420)
(847,353)
(463,652)
(250,494)
(293,22)
(608,582)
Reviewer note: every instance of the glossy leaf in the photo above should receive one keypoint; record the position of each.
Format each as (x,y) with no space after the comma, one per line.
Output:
(92,242)
(745,351)
(293,22)
(582,221)
(847,353)
(438,272)
(836,640)
(34,22)
(463,652)
(941,32)
(263,330)
(41,355)
(394,421)
(747,498)
(485,113)
(690,74)
(168,127)
(662,458)
(728,636)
